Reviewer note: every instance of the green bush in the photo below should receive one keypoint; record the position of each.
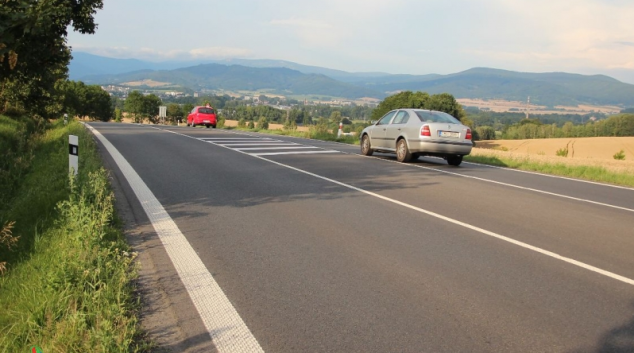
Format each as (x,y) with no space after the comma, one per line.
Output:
(562,152)
(485,133)
(619,155)
(242,123)
(290,125)
(221,122)
(263,123)
(117,115)
(251,124)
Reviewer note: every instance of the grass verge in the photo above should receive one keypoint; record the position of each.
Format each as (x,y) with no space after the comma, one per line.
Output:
(68,286)
(591,173)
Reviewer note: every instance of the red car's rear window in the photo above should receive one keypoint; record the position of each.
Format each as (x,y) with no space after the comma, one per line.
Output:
(206,110)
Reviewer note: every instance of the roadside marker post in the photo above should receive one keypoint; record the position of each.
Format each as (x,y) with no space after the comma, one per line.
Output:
(73,154)
(340,132)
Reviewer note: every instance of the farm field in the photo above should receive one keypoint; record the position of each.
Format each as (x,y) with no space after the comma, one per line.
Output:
(587,151)
(500,105)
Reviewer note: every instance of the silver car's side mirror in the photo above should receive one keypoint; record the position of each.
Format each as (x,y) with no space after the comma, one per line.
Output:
(373,122)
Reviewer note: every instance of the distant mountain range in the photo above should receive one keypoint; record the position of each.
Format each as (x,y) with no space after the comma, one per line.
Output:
(290,78)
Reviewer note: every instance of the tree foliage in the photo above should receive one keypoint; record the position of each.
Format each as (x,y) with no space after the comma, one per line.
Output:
(618,125)
(33,51)
(444,102)
(85,100)
(142,107)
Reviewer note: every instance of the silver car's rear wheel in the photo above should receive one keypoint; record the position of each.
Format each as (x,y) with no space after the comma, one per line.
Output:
(402,152)
(366,150)
(454,160)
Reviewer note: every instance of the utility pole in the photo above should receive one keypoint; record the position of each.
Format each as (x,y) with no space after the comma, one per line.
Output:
(528,107)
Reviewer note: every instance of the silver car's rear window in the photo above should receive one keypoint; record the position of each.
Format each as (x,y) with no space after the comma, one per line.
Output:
(436,117)
(206,111)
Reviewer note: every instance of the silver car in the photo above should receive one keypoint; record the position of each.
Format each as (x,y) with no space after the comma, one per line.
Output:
(412,133)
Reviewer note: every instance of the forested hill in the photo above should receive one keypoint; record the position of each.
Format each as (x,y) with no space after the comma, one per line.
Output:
(548,89)
(238,77)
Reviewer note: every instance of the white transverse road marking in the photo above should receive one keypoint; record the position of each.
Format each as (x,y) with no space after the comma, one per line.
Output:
(255,143)
(225,326)
(439,216)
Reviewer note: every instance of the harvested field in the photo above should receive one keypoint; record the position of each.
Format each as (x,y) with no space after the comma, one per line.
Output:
(579,148)
(149,83)
(589,151)
(499,105)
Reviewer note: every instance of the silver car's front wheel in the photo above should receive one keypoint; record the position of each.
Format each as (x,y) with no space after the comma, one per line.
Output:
(402,152)
(366,150)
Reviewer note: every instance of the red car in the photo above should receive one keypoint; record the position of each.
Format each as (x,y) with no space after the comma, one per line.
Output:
(202,116)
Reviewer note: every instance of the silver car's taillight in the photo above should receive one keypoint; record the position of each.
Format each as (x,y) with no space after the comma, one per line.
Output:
(425,131)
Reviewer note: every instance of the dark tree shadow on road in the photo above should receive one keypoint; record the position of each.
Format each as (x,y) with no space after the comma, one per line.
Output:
(619,339)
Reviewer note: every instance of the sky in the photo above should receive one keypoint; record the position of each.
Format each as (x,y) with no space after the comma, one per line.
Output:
(395,36)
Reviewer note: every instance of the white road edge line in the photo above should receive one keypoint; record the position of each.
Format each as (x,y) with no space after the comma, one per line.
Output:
(450,220)
(225,326)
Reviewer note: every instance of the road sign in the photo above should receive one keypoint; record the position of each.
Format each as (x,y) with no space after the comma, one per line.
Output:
(162,111)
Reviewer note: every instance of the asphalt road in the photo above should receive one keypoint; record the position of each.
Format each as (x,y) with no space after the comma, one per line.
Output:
(330,251)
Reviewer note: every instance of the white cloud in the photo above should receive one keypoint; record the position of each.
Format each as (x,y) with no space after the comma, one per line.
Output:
(219,53)
(403,36)
(312,32)
(302,22)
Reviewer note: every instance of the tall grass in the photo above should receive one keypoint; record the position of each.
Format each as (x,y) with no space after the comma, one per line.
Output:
(69,280)
(585,172)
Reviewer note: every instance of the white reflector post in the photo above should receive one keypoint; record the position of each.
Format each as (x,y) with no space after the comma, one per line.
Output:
(73,154)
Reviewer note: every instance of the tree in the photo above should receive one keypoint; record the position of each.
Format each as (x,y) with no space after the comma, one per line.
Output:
(445,102)
(134,105)
(335,117)
(150,107)
(485,133)
(406,99)
(82,100)
(186,108)
(117,115)
(97,103)
(174,112)
(33,51)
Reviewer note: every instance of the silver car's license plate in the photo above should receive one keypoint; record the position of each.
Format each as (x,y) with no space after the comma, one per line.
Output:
(453,134)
